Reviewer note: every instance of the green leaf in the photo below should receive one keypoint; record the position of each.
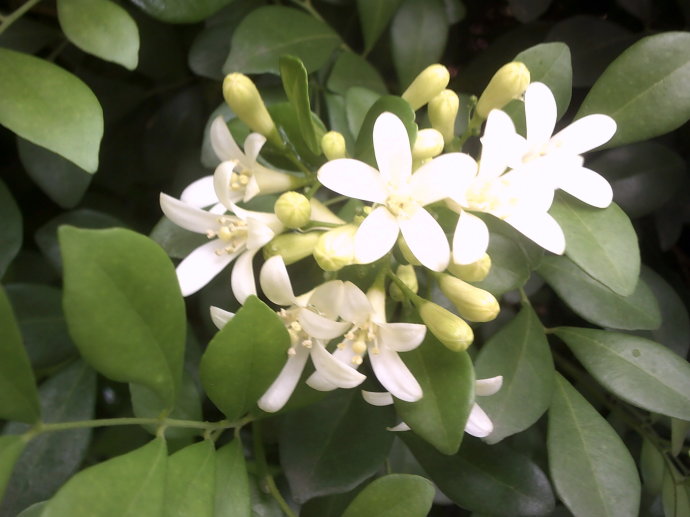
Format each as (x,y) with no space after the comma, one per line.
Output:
(10,228)
(296,85)
(638,370)
(675,496)
(126,486)
(651,468)
(123,307)
(487,479)
(592,470)
(374,18)
(29,90)
(418,36)
(190,482)
(18,394)
(35,510)
(284,115)
(679,430)
(644,88)
(602,242)
(595,302)
(351,70)
(316,440)
(244,358)
(232,482)
(11,446)
(447,381)
(181,11)
(175,240)
(527,11)
(101,28)
(520,353)
(273,31)
(394,495)
(509,266)
(358,102)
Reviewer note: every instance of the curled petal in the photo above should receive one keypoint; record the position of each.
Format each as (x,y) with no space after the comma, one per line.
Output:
(445,176)
(377,398)
(485,387)
(394,375)
(470,240)
(279,392)
(478,424)
(275,282)
(200,193)
(221,184)
(392,149)
(188,216)
(355,179)
(376,235)
(402,337)
(541,228)
(587,186)
(320,382)
(223,143)
(585,134)
(252,147)
(426,239)
(540,114)
(220,317)
(201,265)
(320,327)
(242,279)
(334,371)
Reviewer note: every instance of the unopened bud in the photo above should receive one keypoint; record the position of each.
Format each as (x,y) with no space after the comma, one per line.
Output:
(245,100)
(443,110)
(427,85)
(333,145)
(335,248)
(509,83)
(449,329)
(429,143)
(292,246)
(406,273)
(472,303)
(293,209)
(474,272)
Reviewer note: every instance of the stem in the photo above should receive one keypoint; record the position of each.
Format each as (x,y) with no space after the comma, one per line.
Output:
(13,17)
(265,478)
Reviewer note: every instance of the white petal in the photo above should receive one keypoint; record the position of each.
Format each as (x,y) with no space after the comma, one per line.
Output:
(275,282)
(426,239)
(188,216)
(392,149)
(334,371)
(470,240)
(377,398)
(585,134)
(279,392)
(375,236)
(478,424)
(445,176)
(221,184)
(394,375)
(220,317)
(355,307)
(353,178)
(402,337)
(242,279)
(252,147)
(485,387)
(266,218)
(402,426)
(251,190)
(501,145)
(318,382)
(201,265)
(541,228)
(200,193)
(327,298)
(258,234)
(320,212)
(586,185)
(540,114)
(320,327)
(223,143)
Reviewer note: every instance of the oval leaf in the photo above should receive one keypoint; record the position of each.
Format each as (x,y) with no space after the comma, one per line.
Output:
(10,228)
(190,481)
(374,18)
(11,446)
(296,85)
(352,70)
(181,11)
(232,482)
(72,127)
(591,468)
(394,495)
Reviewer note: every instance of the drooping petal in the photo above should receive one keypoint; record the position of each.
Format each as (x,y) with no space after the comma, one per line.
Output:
(478,424)
(470,240)
(252,147)
(445,176)
(486,387)
(275,282)
(201,265)
(392,149)
(222,142)
(320,327)
(242,279)
(377,398)
(394,375)
(319,382)
(353,178)
(584,134)
(401,337)
(501,145)
(258,234)
(586,185)
(376,235)
(334,371)
(426,239)
(220,317)
(540,114)
(200,193)
(327,298)
(279,392)
(222,178)
(541,228)
(188,216)
(355,306)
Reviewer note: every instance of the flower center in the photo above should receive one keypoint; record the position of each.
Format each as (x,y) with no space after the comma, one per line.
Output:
(240,177)
(360,338)
(232,231)
(401,205)
(494,196)
(298,336)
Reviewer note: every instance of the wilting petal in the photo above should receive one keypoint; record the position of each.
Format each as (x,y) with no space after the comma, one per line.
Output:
(540,114)
(275,282)
(402,426)
(353,178)
(485,387)
(470,240)
(585,134)
(279,392)
(541,228)
(426,239)
(327,298)
(188,216)
(376,235)
(586,185)
(392,149)
(201,265)
(394,375)
(252,146)
(242,279)
(355,307)
(377,398)
(501,145)
(223,143)
(320,327)
(200,193)
(334,371)
(402,337)
(478,424)
(220,317)
(445,176)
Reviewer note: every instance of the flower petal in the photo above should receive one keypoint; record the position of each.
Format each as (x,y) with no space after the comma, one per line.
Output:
(334,371)
(327,298)
(242,278)
(501,145)
(402,426)
(401,337)
(541,228)
(266,218)
(220,317)
(445,176)
(188,216)
(353,178)
(586,185)
(478,424)
(585,134)
(540,114)
(470,240)
(392,149)
(355,306)
(275,282)
(377,398)
(485,387)
(221,184)
(320,327)
(251,190)
(258,234)
(426,239)
(201,265)
(394,375)
(223,143)
(200,193)
(252,147)
(318,382)
(279,392)
(375,236)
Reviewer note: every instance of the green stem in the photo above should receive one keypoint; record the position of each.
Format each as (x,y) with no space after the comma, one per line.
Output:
(13,17)
(265,477)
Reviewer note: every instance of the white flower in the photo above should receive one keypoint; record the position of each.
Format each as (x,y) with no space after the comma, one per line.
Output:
(369,333)
(399,195)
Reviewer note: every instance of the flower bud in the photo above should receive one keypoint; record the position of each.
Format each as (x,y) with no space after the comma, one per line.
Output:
(429,143)
(335,248)
(449,329)
(430,82)
(509,83)
(443,109)
(293,209)
(333,145)
(245,100)
(474,272)
(406,273)
(292,246)
(472,303)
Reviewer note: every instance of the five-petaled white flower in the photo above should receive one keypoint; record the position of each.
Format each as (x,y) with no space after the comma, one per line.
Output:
(398,194)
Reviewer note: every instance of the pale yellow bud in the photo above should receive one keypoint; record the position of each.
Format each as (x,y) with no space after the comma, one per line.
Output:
(333,145)
(449,329)
(474,272)
(335,248)
(429,143)
(245,100)
(472,303)
(427,85)
(509,83)
(443,110)
(293,209)
(406,273)
(292,246)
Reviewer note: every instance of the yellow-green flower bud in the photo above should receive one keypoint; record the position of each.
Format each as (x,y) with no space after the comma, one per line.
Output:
(335,248)
(449,329)
(429,143)
(509,83)
(406,273)
(293,209)
(333,145)
(443,110)
(472,303)
(292,246)
(428,84)
(245,100)
(474,272)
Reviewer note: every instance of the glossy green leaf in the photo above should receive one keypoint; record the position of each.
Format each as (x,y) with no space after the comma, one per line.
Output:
(273,31)
(592,470)
(181,11)
(10,228)
(644,89)
(126,486)
(175,240)
(637,370)
(18,394)
(244,358)
(374,18)
(509,266)
(123,307)
(190,482)
(29,87)
(232,482)
(35,510)
(528,10)
(595,302)
(351,70)
(394,495)
(11,446)
(419,32)
(447,381)
(296,85)
(602,242)
(101,28)
(284,115)
(486,479)
(520,353)
(358,102)
(316,440)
